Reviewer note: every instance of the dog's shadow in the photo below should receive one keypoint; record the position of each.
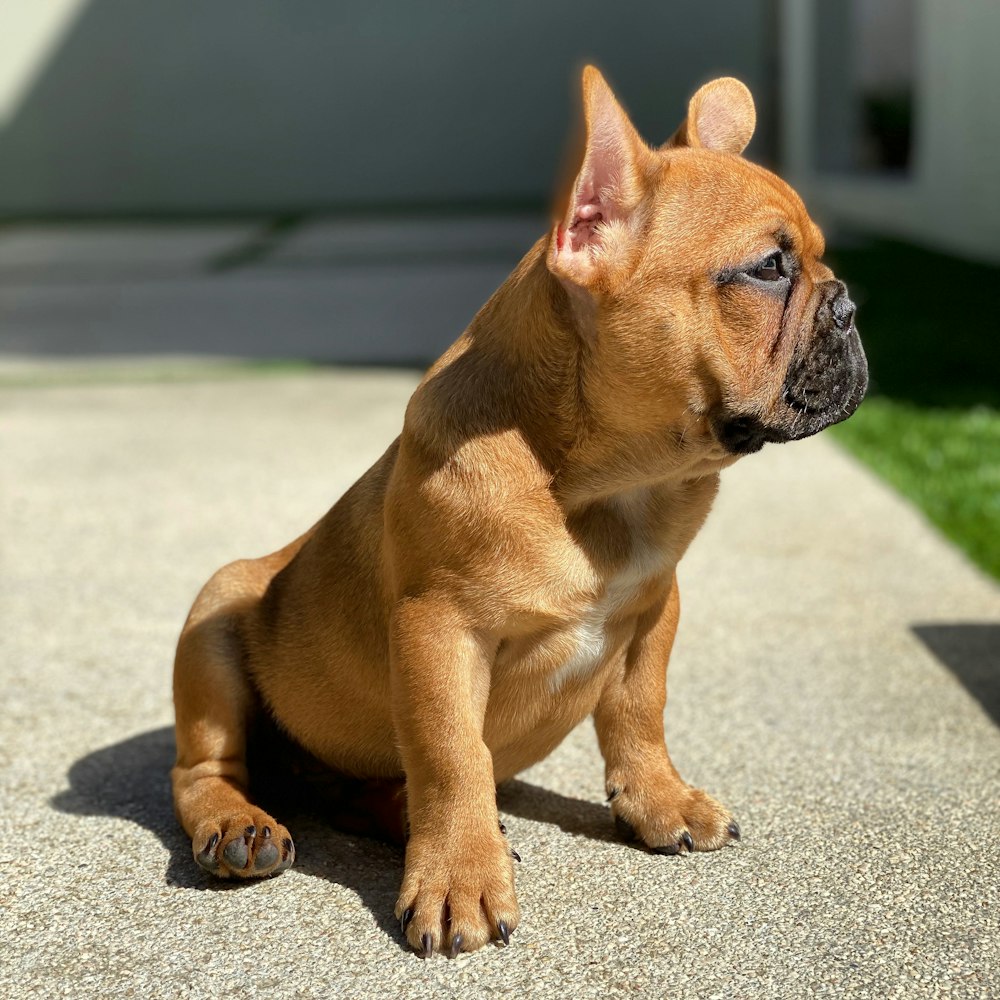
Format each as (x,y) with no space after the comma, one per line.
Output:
(130,780)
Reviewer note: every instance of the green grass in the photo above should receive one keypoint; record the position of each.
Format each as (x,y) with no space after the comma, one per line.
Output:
(946,461)
(931,423)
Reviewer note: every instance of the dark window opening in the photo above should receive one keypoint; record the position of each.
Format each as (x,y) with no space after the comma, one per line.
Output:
(865,86)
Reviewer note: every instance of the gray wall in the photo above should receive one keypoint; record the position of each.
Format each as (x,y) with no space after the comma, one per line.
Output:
(172,106)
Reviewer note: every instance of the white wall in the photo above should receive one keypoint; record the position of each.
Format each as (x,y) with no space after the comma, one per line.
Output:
(30,32)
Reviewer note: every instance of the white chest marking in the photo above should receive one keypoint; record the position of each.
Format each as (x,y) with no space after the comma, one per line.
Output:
(590,634)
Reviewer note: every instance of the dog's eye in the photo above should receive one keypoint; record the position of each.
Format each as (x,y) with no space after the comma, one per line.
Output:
(776,268)
(769,270)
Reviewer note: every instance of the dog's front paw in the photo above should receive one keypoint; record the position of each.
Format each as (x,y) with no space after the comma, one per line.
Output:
(245,845)
(671,817)
(457,896)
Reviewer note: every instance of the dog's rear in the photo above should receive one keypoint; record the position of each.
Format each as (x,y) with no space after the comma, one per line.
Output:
(298,635)
(214,703)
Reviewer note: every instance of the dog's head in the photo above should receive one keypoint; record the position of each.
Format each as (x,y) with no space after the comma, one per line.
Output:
(697,281)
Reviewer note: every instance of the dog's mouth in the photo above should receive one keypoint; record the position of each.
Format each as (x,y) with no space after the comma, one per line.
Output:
(824,384)
(743,434)
(813,397)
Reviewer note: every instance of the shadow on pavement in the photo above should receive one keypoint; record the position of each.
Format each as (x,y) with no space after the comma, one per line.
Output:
(971,651)
(576,817)
(130,780)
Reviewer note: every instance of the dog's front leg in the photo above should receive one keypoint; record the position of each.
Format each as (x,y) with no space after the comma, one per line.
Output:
(649,800)
(458,886)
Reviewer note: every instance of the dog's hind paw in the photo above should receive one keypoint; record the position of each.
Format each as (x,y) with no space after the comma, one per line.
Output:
(249,845)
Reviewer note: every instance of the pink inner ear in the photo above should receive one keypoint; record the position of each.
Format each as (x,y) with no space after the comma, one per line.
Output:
(607,179)
(582,230)
(595,192)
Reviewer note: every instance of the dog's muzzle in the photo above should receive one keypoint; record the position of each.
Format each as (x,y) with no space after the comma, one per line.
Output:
(825,382)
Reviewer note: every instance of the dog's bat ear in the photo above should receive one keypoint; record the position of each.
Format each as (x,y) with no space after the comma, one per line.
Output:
(720,116)
(594,210)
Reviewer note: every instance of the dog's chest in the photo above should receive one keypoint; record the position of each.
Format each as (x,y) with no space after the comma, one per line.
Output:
(595,632)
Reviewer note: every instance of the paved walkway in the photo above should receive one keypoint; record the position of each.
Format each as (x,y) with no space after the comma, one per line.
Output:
(390,290)
(836,682)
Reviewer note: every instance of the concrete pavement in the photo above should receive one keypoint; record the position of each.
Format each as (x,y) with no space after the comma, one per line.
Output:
(835,681)
(389,290)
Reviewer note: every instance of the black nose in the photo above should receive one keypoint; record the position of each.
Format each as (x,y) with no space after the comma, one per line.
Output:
(842,308)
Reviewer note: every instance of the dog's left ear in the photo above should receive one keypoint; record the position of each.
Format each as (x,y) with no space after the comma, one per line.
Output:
(594,225)
(720,116)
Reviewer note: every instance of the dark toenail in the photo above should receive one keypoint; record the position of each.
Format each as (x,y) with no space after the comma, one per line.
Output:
(503,829)
(206,856)
(404,920)
(266,856)
(287,854)
(625,829)
(428,944)
(236,854)
(670,849)
(688,842)
(250,831)
(613,793)
(504,933)
(734,830)
(456,945)
(516,856)
(266,832)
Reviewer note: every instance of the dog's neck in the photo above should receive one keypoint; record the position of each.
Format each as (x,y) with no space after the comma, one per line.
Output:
(541,341)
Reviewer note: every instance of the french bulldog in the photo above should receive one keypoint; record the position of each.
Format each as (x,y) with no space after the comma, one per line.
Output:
(507,567)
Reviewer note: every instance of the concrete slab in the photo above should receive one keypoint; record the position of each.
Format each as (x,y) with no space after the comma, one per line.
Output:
(835,682)
(59,253)
(388,291)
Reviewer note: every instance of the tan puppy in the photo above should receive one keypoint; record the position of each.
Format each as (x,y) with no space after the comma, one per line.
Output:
(506,568)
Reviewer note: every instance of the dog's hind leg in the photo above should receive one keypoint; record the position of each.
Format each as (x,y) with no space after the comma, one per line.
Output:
(214,701)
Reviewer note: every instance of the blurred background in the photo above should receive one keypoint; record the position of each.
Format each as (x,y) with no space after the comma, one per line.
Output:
(306,182)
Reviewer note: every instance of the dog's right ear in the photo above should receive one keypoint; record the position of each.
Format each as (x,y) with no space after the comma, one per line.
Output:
(593,225)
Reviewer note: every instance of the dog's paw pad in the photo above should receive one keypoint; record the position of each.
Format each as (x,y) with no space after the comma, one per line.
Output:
(234,847)
(268,854)
(236,854)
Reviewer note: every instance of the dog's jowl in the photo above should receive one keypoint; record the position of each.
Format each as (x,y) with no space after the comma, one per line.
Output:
(506,568)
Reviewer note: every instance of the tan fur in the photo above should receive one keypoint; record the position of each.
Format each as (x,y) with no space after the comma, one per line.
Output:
(506,568)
